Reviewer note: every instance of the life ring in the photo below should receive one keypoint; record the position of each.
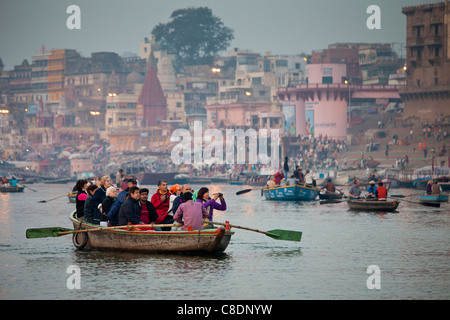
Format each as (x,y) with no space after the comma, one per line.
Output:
(80,240)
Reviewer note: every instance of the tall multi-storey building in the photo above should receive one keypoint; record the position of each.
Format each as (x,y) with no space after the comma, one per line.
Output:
(427,91)
(377,62)
(39,75)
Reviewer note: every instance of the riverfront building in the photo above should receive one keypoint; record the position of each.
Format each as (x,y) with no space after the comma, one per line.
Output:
(427,92)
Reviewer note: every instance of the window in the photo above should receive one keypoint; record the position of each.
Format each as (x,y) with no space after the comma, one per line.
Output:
(281,63)
(327,71)
(327,80)
(256,80)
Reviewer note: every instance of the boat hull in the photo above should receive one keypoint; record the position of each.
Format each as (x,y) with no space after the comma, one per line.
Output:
(291,193)
(12,189)
(433,198)
(330,196)
(207,240)
(372,205)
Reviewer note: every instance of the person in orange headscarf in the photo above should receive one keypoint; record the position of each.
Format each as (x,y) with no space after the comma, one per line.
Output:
(175,191)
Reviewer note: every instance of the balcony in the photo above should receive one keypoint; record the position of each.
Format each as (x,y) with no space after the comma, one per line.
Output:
(415,42)
(435,40)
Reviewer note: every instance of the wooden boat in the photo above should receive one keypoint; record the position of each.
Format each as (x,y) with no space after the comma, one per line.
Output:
(373,205)
(232,182)
(207,240)
(291,192)
(330,195)
(60,181)
(399,183)
(445,186)
(436,198)
(12,189)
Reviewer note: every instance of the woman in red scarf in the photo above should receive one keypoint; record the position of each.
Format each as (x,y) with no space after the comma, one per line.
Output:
(160,201)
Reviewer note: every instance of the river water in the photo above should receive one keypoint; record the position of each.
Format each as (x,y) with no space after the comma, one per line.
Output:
(410,247)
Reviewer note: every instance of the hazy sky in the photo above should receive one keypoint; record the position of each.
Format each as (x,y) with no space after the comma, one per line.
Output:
(279,26)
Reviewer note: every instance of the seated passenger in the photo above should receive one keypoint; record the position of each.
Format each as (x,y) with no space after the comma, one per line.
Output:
(355,191)
(90,205)
(129,210)
(381,192)
(371,190)
(192,212)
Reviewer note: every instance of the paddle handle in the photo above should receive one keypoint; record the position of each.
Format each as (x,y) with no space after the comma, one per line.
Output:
(42,201)
(239,227)
(120,227)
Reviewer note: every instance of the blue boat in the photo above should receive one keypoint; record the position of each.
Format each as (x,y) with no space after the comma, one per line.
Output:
(293,192)
(436,198)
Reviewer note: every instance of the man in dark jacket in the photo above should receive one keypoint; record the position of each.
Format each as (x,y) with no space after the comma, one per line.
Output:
(113,214)
(130,210)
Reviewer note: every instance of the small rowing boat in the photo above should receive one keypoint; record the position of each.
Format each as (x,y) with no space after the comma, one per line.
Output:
(373,205)
(72,196)
(150,241)
(433,198)
(291,192)
(12,189)
(327,195)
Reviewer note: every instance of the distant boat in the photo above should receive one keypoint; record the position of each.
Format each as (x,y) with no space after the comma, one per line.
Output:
(291,192)
(445,186)
(12,189)
(152,178)
(236,182)
(373,205)
(433,198)
(324,195)
(60,181)
(399,183)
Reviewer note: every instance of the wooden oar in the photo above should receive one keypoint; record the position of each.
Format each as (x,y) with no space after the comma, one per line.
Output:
(327,201)
(427,204)
(275,234)
(247,191)
(58,231)
(29,188)
(64,195)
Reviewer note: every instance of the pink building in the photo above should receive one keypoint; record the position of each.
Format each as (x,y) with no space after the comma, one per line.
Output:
(320,107)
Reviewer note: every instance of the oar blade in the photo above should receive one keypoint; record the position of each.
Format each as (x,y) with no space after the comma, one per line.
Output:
(45,232)
(287,235)
(243,191)
(331,201)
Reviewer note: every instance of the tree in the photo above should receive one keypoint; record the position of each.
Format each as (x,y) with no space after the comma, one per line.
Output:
(194,34)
